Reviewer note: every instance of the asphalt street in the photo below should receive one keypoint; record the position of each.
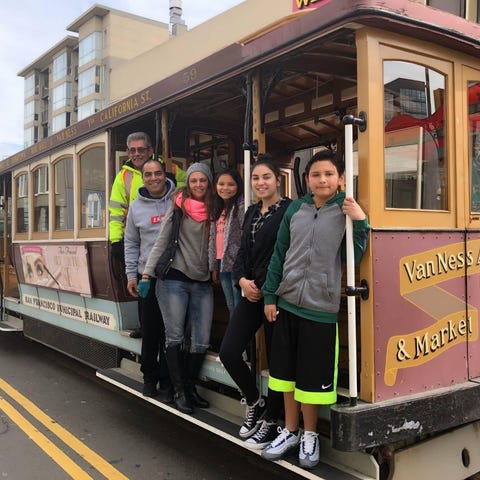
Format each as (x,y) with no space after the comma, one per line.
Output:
(59,421)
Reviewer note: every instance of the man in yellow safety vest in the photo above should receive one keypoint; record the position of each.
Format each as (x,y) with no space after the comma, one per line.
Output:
(126,184)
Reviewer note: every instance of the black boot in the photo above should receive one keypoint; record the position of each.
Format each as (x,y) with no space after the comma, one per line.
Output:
(150,389)
(175,361)
(165,391)
(165,387)
(194,365)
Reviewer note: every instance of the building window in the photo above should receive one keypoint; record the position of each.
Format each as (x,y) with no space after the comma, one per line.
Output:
(90,48)
(31,85)
(21,218)
(30,111)
(92,185)
(62,96)
(457,7)
(30,136)
(40,199)
(413,102)
(62,66)
(88,82)
(59,122)
(88,109)
(415,125)
(63,185)
(104,74)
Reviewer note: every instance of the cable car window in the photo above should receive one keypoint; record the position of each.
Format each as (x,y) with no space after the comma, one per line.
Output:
(415,154)
(21,218)
(457,7)
(474,144)
(40,199)
(92,185)
(63,178)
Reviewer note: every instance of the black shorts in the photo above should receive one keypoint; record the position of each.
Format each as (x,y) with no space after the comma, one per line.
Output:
(304,359)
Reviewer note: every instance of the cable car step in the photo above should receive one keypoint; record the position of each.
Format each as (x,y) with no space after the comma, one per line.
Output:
(224,417)
(10,323)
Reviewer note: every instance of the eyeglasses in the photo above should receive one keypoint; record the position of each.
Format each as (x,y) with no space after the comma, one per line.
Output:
(139,150)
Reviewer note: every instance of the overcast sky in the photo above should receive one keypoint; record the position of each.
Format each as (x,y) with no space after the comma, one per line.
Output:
(31,27)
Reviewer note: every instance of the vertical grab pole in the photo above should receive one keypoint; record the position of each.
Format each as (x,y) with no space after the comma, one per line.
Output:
(247,137)
(352,323)
(246,177)
(247,157)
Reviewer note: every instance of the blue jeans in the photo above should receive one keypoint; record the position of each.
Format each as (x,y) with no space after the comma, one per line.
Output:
(231,292)
(186,301)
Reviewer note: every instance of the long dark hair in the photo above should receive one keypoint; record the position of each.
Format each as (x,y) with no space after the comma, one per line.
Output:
(232,203)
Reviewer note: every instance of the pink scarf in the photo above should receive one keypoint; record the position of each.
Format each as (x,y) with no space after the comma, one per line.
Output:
(195,209)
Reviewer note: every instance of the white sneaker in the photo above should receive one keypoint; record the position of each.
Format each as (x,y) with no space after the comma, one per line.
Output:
(309,453)
(284,442)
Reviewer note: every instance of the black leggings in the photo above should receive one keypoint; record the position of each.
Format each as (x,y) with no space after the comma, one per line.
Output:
(153,364)
(246,319)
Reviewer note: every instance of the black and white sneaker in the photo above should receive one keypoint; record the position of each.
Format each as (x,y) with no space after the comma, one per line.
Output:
(252,415)
(265,435)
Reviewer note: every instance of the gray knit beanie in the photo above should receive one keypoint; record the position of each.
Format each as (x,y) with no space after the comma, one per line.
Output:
(200,167)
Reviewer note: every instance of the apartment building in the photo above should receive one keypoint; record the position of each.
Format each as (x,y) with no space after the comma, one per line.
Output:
(54,68)
(71,81)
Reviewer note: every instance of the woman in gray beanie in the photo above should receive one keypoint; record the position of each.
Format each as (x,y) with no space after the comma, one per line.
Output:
(179,260)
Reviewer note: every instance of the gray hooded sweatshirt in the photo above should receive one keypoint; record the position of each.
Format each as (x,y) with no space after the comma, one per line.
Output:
(144,220)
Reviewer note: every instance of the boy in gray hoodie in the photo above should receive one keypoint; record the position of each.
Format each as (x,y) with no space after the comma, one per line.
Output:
(302,297)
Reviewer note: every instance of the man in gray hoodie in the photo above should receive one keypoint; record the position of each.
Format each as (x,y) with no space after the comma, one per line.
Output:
(144,221)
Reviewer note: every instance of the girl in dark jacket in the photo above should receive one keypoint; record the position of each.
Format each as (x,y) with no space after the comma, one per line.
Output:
(258,239)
